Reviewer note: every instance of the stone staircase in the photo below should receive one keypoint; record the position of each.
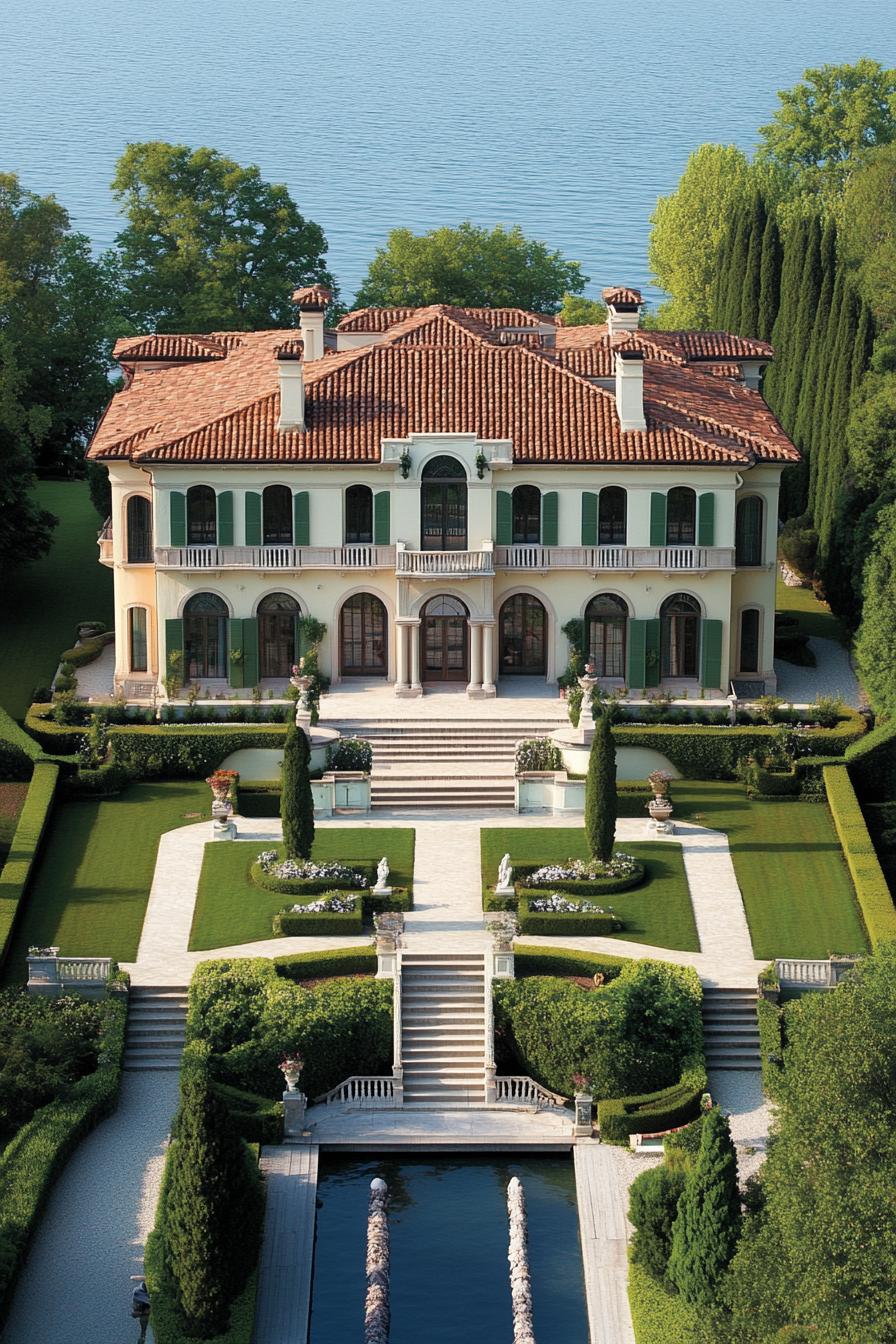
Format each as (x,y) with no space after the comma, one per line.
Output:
(443,1026)
(445,763)
(156,1023)
(730,1028)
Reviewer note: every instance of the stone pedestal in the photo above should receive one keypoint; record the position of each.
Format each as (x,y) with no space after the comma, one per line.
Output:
(386,958)
(505,891)
(223,830)
(582,1127)
(294,1107)
(381,891)
(503,967)
(303,721)
(655,827)
(491,1091)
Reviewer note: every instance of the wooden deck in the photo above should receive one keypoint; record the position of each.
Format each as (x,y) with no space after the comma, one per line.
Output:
(604,1235)
(284,1271)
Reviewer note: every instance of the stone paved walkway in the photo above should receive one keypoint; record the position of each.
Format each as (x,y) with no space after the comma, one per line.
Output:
(832,675)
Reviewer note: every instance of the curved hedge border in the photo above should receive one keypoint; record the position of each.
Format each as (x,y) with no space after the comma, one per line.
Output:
(301,887)
(592,886)
(565,961)
(25,845)
(323,965)
(618,1117)
(713,753)
(872,763)
(17,749)
(875,901)
(88,650)
(30,1166)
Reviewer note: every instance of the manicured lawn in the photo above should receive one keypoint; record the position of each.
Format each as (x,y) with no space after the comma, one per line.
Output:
(231,909)
(12,796)
(815,618)
(797,891)
(44,601)
(90,890)
(658,912)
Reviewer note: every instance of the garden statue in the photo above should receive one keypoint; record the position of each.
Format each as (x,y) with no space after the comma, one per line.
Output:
(382,874)
(505,875)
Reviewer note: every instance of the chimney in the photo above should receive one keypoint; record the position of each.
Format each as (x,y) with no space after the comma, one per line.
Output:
(311,301)
(630,389)
(623,309)
(292,390)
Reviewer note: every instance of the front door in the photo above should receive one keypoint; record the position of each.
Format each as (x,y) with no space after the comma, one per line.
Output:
(277,640)
(445,644)
(522,627)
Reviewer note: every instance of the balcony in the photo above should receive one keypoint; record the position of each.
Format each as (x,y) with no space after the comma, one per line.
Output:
(104,541)
(444,564)
(194,558)
(595,559)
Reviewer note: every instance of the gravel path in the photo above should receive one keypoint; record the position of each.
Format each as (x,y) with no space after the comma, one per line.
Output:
(75,1285)
(832,675)
(739,1093)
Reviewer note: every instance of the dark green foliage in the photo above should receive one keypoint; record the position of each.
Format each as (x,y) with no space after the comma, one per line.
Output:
(291,925)
(748,318)
(25,847)
(653,1205)
(45,1045)
(872,892)
(296,800)
(653,1112)
(212,1207)
(771,1045)
(600,792)
(633,1034)
(322,965)
(100,488)
(542,924)
(769,279)
(706,1229)
(803,320)
(563,961)
(782,333)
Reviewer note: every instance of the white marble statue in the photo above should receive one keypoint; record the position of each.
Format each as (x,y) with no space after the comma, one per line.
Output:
(382,874)
(505,874)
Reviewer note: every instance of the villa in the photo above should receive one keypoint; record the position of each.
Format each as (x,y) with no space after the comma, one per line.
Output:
(445,489)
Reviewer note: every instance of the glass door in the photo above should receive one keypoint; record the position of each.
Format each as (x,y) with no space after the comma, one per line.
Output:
(522,627)
(444,637)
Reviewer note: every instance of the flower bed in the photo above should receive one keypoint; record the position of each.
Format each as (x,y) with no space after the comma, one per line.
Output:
(554,913)
(338,912)
(575,877)
(305,878)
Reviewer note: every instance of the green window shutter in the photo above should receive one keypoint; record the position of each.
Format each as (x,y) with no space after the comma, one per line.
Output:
(302,519)
(550,509)
(174,644)
(711,654)
(225,518)
(234,642)
(652,652)
(637,652)
(706,519)
(250,651)
(253,518)
(589,527)
(503,518)
(657,519)
(177,506)
(381,518)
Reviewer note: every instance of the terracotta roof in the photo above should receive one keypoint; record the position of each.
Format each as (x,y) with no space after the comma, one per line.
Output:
(158,347)
(381,319)
(597,359)
(228,411)
(311,298)
(716,345)
(620,294)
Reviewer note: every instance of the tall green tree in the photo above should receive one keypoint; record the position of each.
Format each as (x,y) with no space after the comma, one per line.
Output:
(576,311)
(706,1229)
(868,230)
(795,244)
(751,287)
(736,261)
(296,798)
(208,244)
(833,467)
(875,647)
(26,530)
(769,279)
(801,330)
(600,791)
(469,266)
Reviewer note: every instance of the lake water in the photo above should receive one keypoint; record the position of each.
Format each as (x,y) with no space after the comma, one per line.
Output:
(567,118)
(448,1238)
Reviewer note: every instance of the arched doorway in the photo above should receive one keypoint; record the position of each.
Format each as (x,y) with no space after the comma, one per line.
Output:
(679,635)
(443,506)
(445,642)
(363,631)
(277,634)
(522,637)
(205,637)
(605,621)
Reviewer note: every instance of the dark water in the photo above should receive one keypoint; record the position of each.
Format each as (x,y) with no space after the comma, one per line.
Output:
(567,118)
(448,1229)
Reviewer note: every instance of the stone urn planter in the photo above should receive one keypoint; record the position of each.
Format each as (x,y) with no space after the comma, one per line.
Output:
(660,809)
(291,1068)
(659,781)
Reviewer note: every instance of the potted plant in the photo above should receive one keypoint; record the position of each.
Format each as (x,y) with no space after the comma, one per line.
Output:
(404,465)
(582,1084)
(481,465)
(659,781)
(291,1068)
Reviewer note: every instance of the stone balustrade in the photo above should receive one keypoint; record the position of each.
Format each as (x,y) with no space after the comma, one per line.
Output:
(444,564)
(367,1090)
(359,556)
(519,1090)
(52,975)
(674,559)
(803,973)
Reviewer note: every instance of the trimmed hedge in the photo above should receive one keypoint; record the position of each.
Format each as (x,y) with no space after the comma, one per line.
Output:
(30,1165)
(167,1327)
(187,750)
(25,846)
(301,887)
(53,737)
(804,781)
(875,901)
(595,886)
(102,782)
(292,925)
(660,1316)
(88,650)
(618,1117)
(258,800)
(17,750)
(560,961)
(713,753)
(543,923)
(770,1017)
(323,965)
(872,764)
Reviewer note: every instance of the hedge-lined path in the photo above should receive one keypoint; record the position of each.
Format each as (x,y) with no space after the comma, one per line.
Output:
(75,1284)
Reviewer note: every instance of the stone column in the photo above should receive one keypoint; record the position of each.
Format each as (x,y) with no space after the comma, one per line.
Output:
(401,657)
(414,631)
(475,686)
(488,658)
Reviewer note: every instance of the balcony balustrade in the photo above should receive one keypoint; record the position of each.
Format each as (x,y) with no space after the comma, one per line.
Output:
(672,559)
(359,556)
(444,564)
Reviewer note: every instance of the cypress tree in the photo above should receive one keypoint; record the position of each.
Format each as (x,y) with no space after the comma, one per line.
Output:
(801,331)
(213,1209)
(834,490)
(296,799)
(769,279)
(791,271)
(705,1232)
(722,276)
(752,277)
(737,265)
(818,443)
(600,791)
(864,346)
(796,482)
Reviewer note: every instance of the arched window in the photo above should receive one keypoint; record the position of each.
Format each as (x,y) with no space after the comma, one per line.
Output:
(358,514)
(139,531)
(202,520)
(205,636)
(276,503)
(681,516)
(522,630)
(363,637)
(605,621)
(277,650)
(748,532)
(443,505)
(679,635)
(526,514)
(138,652)
(749,640)
(611,526)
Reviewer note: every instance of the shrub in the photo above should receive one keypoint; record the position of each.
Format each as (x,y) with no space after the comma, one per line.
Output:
(600,792)
(184,750)
(713,752)
(295,924)
(351,753)
(25,847)
(321,965)
(570,924)
(306,877)
(653,1112)
(799,545)
(875,901)
(537,753)
(653,1205)
(17,750)
(827,710)
(559,961)
(704,1237)
(872,763)
(296,801)
(770,1017)
(574,697)
(45,1045)
(88,650)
